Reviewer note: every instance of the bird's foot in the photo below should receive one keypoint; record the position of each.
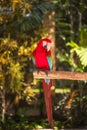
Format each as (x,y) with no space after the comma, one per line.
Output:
(46,72)
(38,70)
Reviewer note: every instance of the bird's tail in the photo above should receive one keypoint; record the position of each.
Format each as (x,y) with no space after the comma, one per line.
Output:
(48,100)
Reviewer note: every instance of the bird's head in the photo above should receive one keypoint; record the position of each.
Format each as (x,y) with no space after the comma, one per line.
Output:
(45,44)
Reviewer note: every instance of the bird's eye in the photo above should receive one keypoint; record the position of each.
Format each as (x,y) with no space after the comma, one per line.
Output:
(44,44)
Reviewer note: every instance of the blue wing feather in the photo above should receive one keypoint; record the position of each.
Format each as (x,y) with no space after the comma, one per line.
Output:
(49,62)
(50,65)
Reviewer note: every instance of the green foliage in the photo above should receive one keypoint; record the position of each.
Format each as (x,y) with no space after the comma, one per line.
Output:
(8,59)
(83,36)
(20,29)
(22,16)
(24,124)
(65,58)
(16,76)
(13,58)
(78,111)
(80,51)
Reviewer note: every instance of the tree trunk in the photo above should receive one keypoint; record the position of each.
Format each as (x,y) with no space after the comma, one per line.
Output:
(71,20)
(49,29)
(2,103)
(3,106)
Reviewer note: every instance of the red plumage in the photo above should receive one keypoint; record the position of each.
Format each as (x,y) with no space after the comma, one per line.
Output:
(41,55)
(48,101)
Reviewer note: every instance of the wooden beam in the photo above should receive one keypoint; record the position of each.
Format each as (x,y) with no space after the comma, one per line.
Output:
(60,75)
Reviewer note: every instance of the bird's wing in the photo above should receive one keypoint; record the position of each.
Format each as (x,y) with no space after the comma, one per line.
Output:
(50,65)
(49,62)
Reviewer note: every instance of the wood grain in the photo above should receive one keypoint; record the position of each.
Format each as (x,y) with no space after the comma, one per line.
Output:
(60,75)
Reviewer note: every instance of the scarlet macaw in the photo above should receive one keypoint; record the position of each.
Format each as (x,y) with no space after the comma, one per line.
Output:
(42,59)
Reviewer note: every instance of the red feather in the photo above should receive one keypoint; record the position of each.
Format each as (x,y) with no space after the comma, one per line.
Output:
(48,101)
(40,54)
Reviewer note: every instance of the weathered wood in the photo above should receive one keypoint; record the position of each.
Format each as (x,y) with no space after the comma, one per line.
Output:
(43,129)
(60,75)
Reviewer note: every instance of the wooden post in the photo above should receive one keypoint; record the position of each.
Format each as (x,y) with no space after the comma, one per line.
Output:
(60,75)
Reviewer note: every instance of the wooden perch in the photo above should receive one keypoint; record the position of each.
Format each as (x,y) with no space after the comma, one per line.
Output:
(60,75)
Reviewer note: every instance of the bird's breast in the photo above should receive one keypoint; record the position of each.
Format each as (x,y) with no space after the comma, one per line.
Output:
(41,61)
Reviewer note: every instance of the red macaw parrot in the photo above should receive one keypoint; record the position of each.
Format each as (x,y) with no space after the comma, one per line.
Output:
(42,59)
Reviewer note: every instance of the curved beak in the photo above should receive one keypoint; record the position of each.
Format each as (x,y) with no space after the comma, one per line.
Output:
(48,46)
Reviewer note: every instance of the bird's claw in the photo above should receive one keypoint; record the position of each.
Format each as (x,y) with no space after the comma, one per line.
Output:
(46,72)
(38,70)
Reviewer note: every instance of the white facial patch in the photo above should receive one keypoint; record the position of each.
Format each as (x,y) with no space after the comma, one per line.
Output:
(48,46)
(44,43)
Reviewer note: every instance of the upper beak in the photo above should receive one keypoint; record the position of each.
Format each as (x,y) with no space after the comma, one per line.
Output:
(48,47)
